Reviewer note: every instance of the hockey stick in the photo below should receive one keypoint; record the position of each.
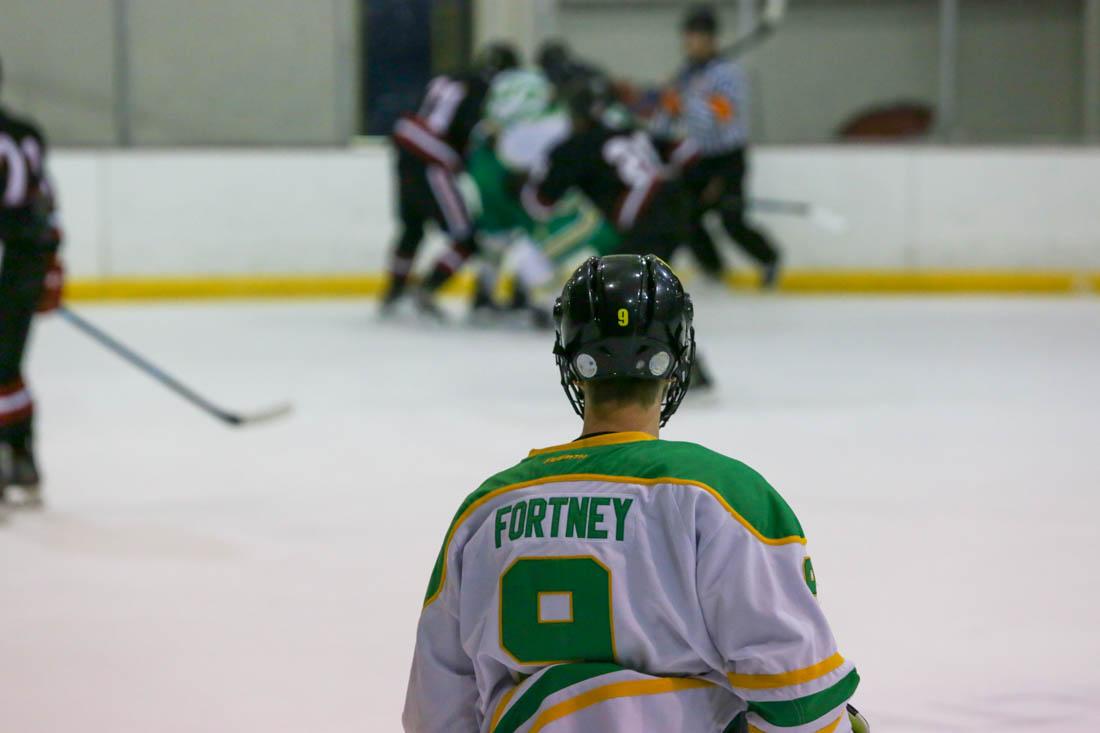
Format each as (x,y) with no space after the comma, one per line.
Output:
(110,343)
(822,216)
(774,10)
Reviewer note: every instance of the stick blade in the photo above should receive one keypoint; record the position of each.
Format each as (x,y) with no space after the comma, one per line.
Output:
(276,412)
(829,220)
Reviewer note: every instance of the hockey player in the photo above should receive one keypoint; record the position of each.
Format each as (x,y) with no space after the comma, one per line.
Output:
(431,152)
(522,125)
(30,279)
(621,172)
(630,177)
(708,102)
(622,582)
(561,65)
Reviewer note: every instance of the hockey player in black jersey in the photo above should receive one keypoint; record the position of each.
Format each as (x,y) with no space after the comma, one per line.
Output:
(632,178)
(30,280)
(629,176)
(431,150)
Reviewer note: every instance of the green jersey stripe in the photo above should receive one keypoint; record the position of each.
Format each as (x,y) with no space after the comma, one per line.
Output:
(555,679)
(807,709)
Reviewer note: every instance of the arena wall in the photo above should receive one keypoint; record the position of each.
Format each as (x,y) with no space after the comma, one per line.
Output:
(220,221)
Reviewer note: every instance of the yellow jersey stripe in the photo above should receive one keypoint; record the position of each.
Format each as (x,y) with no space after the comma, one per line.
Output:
(502,707)
(786,679)
(595,442)
(574,235)
(632,688)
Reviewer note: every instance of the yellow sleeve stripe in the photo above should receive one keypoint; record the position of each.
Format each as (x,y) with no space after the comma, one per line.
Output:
(786,679)
(632,688)
(501,707)
(596,477)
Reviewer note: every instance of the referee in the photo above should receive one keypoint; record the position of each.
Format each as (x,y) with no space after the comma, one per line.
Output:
(708,103)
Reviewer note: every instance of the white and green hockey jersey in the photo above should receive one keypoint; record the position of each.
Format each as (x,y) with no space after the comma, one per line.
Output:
(624,583)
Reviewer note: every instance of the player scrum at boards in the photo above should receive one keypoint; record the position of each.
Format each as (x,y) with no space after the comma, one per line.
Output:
(622,582)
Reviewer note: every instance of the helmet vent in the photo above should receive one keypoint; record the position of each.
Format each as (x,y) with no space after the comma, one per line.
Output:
(659,363)
(586,366)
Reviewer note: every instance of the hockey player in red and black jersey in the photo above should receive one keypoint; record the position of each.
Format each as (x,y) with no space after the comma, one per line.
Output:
(30,280)
(630,177)
(431,151)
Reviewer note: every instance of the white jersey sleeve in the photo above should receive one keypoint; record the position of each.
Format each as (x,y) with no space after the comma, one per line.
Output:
(524,145)
(442,693)
(763,615)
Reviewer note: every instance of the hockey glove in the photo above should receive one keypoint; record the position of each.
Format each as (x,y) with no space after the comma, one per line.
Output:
(859,723)
(52,287)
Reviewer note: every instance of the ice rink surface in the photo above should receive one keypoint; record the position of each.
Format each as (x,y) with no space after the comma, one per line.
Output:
(941,453)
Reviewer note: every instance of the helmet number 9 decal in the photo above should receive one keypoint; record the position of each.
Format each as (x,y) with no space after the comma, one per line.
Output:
(624,317)
(557,609)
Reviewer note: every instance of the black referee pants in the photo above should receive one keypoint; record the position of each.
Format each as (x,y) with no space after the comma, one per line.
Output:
(717,183)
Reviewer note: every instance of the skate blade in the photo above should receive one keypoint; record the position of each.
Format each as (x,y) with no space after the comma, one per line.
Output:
(400,311)
(21,498)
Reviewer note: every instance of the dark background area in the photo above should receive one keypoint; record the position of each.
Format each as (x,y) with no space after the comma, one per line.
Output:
(404,43)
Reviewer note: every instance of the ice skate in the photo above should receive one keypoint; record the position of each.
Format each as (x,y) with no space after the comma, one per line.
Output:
(20,481)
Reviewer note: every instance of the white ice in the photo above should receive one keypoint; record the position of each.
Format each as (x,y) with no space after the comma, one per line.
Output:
(942,455)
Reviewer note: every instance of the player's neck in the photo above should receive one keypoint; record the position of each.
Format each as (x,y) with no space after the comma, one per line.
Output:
(625,419)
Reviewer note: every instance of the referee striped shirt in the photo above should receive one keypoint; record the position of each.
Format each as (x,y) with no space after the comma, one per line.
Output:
(708,104)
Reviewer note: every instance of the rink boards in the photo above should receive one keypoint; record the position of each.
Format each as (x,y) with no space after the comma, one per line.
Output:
(235,222)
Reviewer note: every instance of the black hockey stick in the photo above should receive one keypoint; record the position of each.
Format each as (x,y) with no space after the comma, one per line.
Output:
(110,343)
(822,216)
(757,35)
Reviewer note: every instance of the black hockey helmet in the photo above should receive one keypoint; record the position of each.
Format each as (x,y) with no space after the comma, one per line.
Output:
(554,58)
(552,53)
(625,316)
(700,19)
(586,97)
(496,57)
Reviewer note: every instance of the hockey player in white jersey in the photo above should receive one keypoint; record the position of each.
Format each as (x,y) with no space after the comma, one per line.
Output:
(621,582)
(522,125)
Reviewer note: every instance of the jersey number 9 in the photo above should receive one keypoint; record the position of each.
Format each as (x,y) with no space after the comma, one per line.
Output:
(557,609)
